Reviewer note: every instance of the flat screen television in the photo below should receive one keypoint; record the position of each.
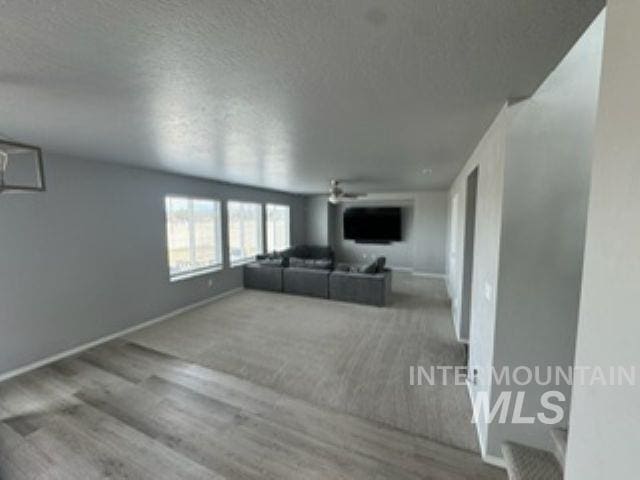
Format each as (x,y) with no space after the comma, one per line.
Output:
(373,224)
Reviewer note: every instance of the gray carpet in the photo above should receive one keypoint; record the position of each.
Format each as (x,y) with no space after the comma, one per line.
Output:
(352,358)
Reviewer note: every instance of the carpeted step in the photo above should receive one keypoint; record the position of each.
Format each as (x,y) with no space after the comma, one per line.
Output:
(559,436)
(526,463)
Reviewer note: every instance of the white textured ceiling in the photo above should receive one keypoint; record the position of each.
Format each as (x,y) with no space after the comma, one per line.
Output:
(283,94)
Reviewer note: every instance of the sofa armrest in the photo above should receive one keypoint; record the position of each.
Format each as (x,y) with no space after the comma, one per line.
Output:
(370,289)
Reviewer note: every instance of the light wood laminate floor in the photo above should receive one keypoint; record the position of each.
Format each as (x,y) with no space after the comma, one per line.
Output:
(124,410)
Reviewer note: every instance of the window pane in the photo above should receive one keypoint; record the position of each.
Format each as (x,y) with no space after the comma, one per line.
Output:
(245,231)
(278,229)
(205,233)
(193,235)
(178,234)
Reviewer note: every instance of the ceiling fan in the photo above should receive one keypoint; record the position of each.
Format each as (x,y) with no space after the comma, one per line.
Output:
(336,194)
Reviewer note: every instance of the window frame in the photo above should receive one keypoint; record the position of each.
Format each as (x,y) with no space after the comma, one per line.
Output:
(266,223)
(261,223)
(195,272)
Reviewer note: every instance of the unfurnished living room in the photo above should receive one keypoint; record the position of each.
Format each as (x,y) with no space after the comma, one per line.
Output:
(319,239)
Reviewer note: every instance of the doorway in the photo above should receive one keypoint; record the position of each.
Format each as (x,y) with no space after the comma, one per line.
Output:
(468,254)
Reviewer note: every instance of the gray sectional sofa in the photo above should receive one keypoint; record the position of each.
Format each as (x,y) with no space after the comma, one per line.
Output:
(309,270)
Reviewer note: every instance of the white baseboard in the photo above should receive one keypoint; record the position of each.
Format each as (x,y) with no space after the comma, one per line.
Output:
(440,276)
(400,269)
(495,461)
(456,326)
(113,336)
(486,458)
(418,273)
(459,337)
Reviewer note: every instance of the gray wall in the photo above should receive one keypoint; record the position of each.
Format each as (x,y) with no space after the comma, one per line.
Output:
(605,421)
(531,213)
(489,157)
(549,152)
(318,214)
(424,218)
(430,232)
(88,257)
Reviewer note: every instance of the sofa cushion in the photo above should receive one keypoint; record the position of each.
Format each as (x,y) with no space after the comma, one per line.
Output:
(297,262)
(316,264)
(306,281)
(271,262)
(322,264)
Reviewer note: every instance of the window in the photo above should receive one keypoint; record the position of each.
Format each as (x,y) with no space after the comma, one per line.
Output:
(194,243)
(278,233)
(245,231)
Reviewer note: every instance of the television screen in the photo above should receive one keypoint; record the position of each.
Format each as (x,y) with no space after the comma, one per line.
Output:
(373,225)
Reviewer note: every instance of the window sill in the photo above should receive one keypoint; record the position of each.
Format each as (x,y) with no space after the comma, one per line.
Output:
(240,263)
(197,273)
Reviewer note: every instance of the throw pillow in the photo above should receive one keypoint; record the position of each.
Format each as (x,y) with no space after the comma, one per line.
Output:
(370,268)
(320,264)
(271,262)
(297,262)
